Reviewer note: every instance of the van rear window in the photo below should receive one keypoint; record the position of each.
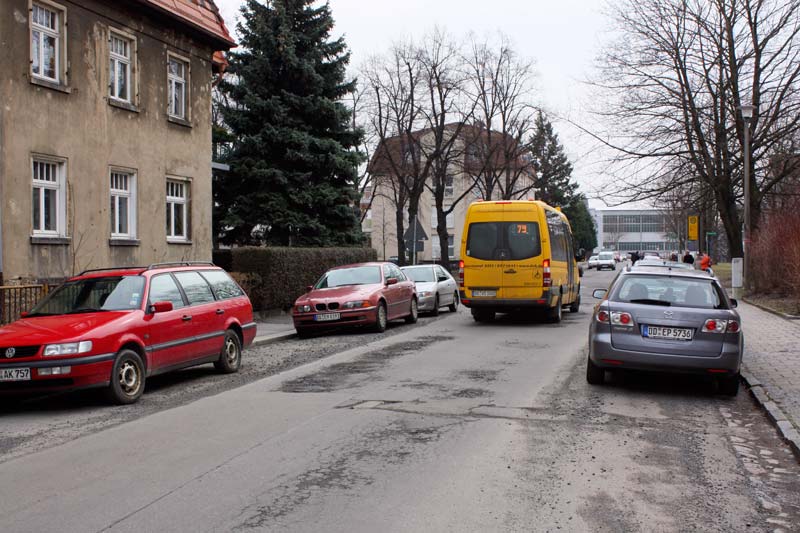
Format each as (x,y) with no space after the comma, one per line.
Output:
(503,241)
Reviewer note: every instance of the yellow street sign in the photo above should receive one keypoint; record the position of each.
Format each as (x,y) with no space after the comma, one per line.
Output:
(693,233)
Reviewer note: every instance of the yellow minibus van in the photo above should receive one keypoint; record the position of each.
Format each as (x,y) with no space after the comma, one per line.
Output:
(517,256)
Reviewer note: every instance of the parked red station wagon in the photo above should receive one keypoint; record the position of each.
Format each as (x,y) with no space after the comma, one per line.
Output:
(115,327)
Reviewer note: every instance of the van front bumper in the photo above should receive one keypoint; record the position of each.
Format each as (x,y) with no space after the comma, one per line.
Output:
(546,301)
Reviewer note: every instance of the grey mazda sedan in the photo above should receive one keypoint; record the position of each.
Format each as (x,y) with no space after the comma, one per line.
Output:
(666,320)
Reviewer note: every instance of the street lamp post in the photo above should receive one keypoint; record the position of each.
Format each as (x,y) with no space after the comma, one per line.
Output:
(747,115)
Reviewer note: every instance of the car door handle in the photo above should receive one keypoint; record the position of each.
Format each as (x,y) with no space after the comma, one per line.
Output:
(220,311)
(186,318)
(510,271)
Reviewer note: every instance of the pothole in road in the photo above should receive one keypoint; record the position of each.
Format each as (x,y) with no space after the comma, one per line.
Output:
(481,375)
(338,376)
(472,393)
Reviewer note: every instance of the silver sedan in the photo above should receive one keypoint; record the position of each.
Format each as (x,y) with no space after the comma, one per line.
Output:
(436,288)
(653,318)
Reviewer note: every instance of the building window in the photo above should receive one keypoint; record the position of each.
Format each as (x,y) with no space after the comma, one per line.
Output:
(450,247)
(448,187)
(451,217)
(177,210)
(123,205)
(47,22)
(120,70)
(49,198)
(177,77)
(434,217)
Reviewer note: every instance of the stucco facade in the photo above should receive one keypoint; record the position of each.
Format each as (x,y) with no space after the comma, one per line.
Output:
(74,135)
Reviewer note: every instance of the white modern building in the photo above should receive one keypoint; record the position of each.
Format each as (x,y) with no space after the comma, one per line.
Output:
(633,230)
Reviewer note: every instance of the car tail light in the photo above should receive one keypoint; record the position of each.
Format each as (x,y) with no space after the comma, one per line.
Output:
(461,274)
(603,317)
(547,281)
(622,319)
(715,326)
(733,326)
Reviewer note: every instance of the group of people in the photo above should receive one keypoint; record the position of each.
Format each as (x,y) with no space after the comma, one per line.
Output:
(703,258)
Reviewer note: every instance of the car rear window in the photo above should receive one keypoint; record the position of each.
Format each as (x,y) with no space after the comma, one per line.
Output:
(224,287)
(669,291)
(195,287)
(503,241)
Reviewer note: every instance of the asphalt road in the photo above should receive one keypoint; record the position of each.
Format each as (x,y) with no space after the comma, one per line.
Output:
(449,425)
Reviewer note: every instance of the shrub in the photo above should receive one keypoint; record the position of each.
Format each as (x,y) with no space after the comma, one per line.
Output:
(775,260)
(274,277)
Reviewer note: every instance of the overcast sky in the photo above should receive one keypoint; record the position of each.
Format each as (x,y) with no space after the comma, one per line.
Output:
(561,36)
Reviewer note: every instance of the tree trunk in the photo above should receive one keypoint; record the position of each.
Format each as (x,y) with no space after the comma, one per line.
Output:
(730,221)
(401,244)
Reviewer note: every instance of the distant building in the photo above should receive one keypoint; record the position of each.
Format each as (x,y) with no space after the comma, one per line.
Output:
(105,133)
(634,230)
(480,154)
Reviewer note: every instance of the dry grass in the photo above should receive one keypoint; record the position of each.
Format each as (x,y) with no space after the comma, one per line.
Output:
(723,273)
(778,302)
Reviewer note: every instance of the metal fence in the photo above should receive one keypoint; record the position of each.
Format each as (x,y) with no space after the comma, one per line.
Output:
(15,299)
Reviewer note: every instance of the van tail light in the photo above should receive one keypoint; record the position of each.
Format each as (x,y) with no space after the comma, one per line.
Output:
(715,326)
(461,274)
(622,319)
(547,281)
(603,317)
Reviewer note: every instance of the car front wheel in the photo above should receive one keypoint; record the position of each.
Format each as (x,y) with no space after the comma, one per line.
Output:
(127,378)
(380,319)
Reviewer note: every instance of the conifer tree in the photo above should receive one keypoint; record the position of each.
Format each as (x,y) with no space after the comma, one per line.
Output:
(294,159)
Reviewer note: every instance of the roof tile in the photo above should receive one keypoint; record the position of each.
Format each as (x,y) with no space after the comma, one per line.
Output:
(202,14)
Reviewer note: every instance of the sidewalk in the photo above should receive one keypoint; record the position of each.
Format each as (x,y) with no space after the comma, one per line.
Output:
(273,328)
(771,367)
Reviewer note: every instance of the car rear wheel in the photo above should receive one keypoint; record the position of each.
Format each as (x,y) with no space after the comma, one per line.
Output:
(595,375)
(230,358)
(453,307)
(729,386)
(380,319)
(127,378)
(413,313)
(435,311)
(483,315)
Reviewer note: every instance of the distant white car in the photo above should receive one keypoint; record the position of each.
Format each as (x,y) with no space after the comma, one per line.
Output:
(606,260)
(592,262)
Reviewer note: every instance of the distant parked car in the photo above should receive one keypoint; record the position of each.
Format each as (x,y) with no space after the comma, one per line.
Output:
(115,327)
(606,260)
(436,288)
(592,262)
(364,294)
(666,320)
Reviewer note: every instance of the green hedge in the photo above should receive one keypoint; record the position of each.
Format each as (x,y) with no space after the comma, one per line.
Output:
(275,277)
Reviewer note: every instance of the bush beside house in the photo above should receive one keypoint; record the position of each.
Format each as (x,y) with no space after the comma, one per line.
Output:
(275,277)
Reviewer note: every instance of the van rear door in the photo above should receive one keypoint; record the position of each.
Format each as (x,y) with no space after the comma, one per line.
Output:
(482,277)
(522,271)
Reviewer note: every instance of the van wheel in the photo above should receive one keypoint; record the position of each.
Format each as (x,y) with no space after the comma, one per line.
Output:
(127,378)
(230,358)
(576,305)
(556,312)
(453,307)
(483,315)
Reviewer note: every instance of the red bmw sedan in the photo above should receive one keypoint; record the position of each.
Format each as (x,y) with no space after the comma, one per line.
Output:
(365,294)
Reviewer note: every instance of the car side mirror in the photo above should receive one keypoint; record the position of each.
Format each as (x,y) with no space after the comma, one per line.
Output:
(309,288)
(734,303)
(161,307)
(391,281)
(599,293)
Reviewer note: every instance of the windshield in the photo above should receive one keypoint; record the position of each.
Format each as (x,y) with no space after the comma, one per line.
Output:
(350,276)
(503,241)
(669,291)
(593,258)
(117,293)
(420,274)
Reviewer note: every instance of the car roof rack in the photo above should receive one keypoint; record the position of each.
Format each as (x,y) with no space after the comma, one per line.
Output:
(180,263)
(111,269)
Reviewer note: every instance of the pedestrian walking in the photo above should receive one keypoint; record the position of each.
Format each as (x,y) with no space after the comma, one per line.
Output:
(673,256)
(687,258)
(705,262)
(635,257)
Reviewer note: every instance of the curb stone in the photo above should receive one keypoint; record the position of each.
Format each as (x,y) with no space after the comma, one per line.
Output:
(785,316)
(785,428)
(272,339)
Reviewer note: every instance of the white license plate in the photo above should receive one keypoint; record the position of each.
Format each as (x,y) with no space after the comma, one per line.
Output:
(326,317)
(15,374)
(659,332)
(484,294)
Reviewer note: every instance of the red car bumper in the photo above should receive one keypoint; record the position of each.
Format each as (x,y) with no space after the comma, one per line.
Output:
(84,372)
(350,317)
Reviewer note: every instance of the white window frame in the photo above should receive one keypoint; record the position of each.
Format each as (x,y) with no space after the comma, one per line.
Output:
(173,80)
(115,194)
(182,202)
(59,185)
(130,61)
(449,186)
(451,246)
(60,35)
